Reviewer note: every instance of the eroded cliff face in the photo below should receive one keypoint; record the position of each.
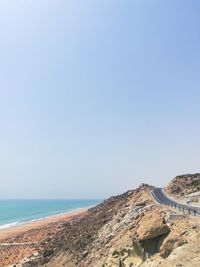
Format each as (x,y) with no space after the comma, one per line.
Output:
(123,231)
(184,185)
(185,188)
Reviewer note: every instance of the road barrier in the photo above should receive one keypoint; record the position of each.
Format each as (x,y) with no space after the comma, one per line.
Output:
(160,197)
(184,209)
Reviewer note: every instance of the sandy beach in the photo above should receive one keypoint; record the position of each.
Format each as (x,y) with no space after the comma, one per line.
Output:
(26,240)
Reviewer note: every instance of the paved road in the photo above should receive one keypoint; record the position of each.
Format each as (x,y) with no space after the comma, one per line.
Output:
(163,199)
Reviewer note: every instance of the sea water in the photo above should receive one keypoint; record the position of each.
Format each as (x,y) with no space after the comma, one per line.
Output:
(15,212)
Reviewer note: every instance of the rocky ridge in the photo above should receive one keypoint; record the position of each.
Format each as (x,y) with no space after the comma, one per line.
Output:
(123,231)
(186,188)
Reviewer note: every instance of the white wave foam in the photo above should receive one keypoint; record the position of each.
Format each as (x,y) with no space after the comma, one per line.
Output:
(8,225)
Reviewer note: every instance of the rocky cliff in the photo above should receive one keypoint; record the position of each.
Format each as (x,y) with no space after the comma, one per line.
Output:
(186,188)
(123,231)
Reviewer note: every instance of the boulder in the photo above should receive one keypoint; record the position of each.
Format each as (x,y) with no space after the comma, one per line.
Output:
(127,256)
(151,225)
(141,203)
(170,244)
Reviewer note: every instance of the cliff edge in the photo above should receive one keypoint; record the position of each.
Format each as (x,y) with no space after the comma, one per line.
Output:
(126,230)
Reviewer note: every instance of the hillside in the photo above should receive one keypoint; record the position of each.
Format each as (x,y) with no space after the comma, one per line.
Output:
(126,230)
(186,188)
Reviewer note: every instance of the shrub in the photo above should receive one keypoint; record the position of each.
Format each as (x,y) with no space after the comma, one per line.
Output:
(195,182)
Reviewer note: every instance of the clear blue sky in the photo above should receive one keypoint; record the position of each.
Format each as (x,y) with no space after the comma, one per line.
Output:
(97,96)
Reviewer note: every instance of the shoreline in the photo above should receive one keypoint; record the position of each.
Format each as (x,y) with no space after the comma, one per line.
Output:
(26,239)
(37,223)
(16,224)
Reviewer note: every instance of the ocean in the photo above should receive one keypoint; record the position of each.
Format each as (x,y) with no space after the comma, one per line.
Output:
(16,212)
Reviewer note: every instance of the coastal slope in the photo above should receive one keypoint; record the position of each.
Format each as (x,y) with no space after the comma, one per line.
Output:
(130,229)
(126,230)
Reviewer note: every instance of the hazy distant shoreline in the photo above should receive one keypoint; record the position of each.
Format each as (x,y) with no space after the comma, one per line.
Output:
(32,234)
(42,219)
(62,217)
(18,213)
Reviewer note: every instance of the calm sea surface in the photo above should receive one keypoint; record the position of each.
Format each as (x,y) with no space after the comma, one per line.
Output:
(14,212)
